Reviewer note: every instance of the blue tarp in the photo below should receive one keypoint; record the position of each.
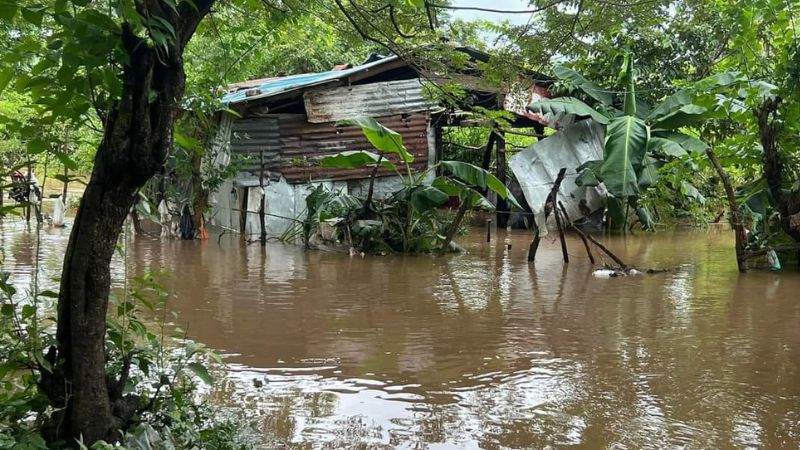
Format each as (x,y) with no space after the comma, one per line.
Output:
(293,82)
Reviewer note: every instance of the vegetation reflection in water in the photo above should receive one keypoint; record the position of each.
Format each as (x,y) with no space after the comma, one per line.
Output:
(483,350)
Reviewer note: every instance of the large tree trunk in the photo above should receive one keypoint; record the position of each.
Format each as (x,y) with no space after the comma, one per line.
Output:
(137,137)
(786,205)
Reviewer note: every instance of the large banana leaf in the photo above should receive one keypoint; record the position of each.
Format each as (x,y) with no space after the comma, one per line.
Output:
(455,188)
(686,142)
(354,160)
(685,115)
(380,137)
(476,176)
(424,198)
(648,175)
(665,146)
(625,149)
(567,105)
(580,82)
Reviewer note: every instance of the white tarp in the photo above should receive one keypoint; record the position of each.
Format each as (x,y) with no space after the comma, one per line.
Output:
(537,167)
(58,213)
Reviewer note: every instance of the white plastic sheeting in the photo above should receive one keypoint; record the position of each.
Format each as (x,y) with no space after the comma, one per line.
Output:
(58,213)
(537,167)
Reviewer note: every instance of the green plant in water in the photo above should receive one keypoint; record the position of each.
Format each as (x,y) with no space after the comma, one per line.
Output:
(407,219)
(638,137)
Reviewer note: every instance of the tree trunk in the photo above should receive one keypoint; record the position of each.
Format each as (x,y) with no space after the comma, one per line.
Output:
(769,129)
(736,215)
(136,140)
(64,189)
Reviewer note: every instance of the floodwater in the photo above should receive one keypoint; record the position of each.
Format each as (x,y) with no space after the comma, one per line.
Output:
(485,350)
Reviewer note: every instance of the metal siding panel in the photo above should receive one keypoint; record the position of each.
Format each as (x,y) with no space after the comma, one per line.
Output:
(249,137)
(303,144)
(374,100)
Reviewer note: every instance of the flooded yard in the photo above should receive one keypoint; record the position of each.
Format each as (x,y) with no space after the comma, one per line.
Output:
(483,350)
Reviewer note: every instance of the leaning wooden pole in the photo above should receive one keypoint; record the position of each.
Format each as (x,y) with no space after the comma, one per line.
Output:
(561,236)
(581,234)
(553,194)
(736,215)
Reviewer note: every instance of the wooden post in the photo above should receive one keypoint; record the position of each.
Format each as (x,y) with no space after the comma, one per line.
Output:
(488,230)
(502,205)
(28,190)
(577,230)
(261,211)
(451,232)
(561,237)
(487,152)
(553,196)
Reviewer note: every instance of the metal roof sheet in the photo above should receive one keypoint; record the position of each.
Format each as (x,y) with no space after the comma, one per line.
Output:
(274,86)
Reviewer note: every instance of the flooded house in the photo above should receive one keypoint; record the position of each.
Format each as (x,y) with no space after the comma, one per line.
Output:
(284,126)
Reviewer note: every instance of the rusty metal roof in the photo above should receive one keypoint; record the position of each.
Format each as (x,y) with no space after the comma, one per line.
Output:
(267,87)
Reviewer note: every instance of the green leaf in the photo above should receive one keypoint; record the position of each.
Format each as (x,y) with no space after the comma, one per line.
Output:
(688,143)
(476,176)
(201,372)
(665,146)
(424,198)
(616,213)
(7,309)
(382,138)
(690,191)
(33,15)
(628,79)
(649,173)
(567,105)
(625,148)
(354,160)
(685,115)
(66,160)
(8,8)
(646,218)
(587,174)
(578,81)
(5,77)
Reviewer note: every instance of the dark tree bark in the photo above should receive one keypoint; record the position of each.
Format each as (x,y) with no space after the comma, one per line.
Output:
(736,214)
(769,129)
(137,137)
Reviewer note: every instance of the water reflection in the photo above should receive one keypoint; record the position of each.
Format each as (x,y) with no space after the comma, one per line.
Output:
(484,350)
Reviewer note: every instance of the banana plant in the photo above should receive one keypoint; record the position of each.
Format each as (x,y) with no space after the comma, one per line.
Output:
(459,179)
(637,137)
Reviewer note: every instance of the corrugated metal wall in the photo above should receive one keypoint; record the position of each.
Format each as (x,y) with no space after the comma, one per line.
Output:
(373,100)
(304,143)
(251,136)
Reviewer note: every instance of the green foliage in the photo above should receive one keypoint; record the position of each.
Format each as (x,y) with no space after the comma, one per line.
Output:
(633,144)
(407,220)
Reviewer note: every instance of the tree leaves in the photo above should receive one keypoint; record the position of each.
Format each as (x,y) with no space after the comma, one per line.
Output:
(476,176)
(565,106)
(201,371)
(354,159)
(625,149)
(8,9)
(580,82)
(382,138)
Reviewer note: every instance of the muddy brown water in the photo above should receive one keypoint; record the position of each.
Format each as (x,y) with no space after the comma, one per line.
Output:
(484,350)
